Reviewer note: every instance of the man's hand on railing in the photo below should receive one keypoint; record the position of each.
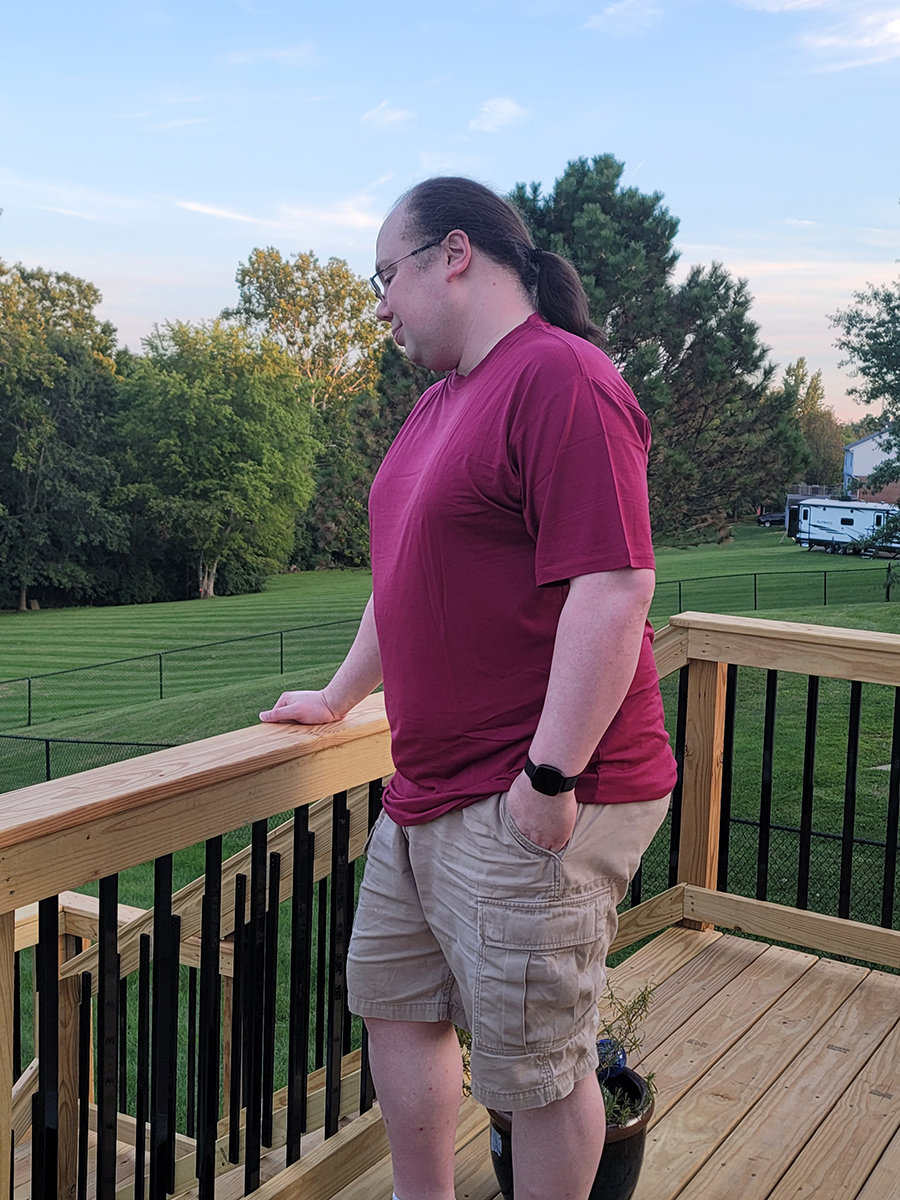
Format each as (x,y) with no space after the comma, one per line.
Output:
(307,708)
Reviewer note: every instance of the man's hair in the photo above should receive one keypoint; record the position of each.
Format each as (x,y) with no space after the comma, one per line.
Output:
(437,206)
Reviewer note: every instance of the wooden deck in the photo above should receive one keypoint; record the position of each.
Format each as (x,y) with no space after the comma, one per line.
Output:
(778,1076)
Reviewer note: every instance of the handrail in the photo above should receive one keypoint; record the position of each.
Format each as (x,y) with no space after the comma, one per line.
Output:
(57,836)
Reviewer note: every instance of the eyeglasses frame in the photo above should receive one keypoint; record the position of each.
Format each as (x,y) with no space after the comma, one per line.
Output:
(378,285)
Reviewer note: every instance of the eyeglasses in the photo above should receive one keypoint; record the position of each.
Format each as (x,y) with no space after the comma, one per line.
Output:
(378,282)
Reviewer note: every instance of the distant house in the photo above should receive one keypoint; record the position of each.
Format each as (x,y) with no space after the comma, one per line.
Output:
(860,460)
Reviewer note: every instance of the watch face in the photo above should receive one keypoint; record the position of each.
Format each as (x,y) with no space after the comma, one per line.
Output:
(546,780)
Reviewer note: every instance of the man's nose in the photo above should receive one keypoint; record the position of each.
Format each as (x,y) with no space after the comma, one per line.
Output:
(383,310)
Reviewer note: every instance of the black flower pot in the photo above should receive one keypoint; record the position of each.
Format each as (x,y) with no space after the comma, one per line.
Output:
(623,1151)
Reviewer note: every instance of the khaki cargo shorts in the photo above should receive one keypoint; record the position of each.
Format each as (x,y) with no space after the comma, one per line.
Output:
(464,919)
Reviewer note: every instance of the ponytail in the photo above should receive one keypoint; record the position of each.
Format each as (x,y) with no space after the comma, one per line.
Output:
(437,206)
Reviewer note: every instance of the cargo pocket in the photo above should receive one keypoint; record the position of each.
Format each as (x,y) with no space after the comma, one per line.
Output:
(540,970)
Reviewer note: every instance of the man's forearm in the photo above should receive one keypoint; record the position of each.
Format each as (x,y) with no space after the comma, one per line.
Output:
(595,655)
(360,672)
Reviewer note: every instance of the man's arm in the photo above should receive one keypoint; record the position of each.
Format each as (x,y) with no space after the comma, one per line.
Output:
(595,655)
(357,676)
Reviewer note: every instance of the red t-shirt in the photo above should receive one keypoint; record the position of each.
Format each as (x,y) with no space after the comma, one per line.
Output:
(501,486)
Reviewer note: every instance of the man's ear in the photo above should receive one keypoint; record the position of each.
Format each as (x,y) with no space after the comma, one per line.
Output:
(458,252)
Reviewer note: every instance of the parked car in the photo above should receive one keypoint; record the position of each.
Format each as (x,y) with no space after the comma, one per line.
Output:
(767,519)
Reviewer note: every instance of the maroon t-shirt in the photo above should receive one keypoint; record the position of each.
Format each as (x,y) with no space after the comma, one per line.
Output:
(501,486)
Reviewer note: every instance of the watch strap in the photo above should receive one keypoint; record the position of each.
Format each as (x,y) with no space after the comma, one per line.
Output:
(547,780)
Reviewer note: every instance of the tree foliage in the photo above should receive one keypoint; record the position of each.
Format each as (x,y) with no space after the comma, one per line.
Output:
(823,436)
(215,444)
(56,377)
(322,314)
(724,440)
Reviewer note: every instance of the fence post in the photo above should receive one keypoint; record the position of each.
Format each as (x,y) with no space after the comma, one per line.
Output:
(680,609)
(29,699)
(698,855)
(7,1009)
(825,588)
(47,772)
(755,605)
(281,648)
(160,678)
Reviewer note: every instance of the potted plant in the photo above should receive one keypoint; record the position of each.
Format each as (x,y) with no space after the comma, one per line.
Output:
(627,1096)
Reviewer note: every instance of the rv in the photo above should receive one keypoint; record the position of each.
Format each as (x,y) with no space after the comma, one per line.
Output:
(838,525)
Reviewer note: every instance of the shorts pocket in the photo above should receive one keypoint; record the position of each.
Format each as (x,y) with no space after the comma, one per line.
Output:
(540,970)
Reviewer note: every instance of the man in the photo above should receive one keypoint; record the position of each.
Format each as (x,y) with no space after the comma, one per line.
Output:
(512,574)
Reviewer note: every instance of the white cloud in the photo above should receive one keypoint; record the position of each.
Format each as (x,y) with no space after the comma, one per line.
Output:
(210,210)
(862,33)
(625,17)
(292,56)
(795,221)
(496,114)
(343,214)
(67,212)
(383,116)
(179,123)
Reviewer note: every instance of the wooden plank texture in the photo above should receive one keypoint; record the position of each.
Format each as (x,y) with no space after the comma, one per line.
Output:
(837,1159)
(698,854)
(655,914)
(73,840)
(784,1119)
(690,1131)
(7,992)
(814,931)
(884,1182)
(655,962)
(670,649)
(793,646)
(683,1057)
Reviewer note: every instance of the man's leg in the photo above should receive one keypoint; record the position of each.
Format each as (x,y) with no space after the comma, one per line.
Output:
(556,1149)
(417,1069)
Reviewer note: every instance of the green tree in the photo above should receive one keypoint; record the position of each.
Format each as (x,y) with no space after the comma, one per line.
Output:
(723,439)
(215,442)
(57,379)
(822,433)
(322,314)
(870,339)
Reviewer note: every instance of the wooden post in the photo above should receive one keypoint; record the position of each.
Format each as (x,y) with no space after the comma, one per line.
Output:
(69,1012)
(698,855)
(7,984)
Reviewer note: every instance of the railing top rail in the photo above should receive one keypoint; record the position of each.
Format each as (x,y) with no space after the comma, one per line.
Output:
(860,654)
(57,835)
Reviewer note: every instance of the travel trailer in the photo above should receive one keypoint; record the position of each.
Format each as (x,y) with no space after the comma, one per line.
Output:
(838,525)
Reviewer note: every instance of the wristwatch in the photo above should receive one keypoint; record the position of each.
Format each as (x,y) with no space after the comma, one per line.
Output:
(549,780)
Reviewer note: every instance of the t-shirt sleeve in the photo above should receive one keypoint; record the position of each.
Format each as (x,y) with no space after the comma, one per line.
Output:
(581,455)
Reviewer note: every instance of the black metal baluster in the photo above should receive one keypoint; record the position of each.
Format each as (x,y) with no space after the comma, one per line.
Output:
(107,1037)
(190,1116)
(163,1034)
(808,791)
(337,973)
(237,1022)
(301,949)
(123,1041)
(366,1085)
(321,971)
(765,788)
(849,823)
(271,984)
(174,994)
(727,775)
(142,1077)
(45,1107)
(17,1015)
(351,907)
(210,1018)
(253,1012)
(680,734)
(893,824)
(84,1082)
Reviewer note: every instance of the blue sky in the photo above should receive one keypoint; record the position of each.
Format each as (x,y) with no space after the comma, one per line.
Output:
(149,146)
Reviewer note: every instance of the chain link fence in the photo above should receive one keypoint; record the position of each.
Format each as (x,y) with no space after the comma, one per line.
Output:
(27,760)
(773,589)
(139,680)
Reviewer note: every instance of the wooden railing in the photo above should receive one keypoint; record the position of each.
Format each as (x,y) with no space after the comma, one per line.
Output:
(60,836)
